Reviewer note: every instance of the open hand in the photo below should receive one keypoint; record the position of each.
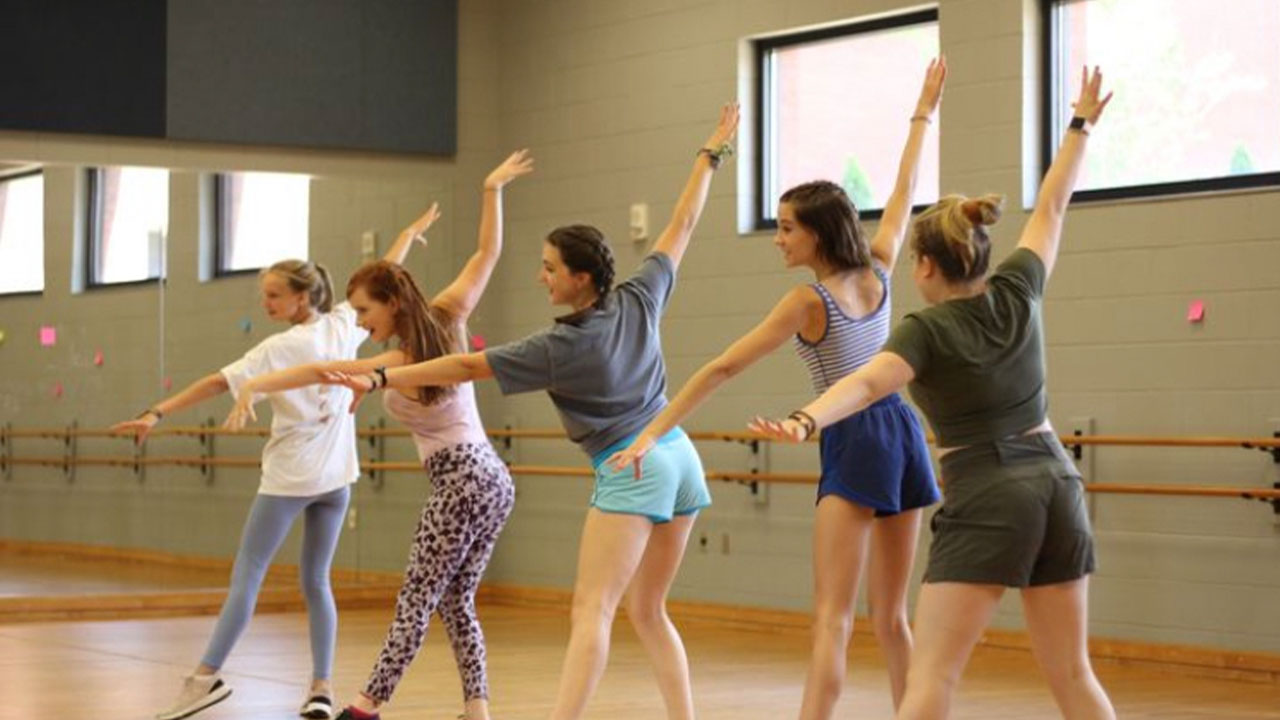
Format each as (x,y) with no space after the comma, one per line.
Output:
(140,427)
(726,127)
(517,163)
(786,430)
(1088,106)
(242,413)
(360,385)
(935,77)
(417,230)
(632,455)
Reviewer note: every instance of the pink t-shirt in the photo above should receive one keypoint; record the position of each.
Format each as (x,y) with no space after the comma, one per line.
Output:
(452,420)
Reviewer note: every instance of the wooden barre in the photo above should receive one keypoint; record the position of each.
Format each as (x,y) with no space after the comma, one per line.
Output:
(1260,443)
(1261,493)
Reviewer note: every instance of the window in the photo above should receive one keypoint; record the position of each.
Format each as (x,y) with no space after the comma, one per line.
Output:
(22,233)
(128,222)
(1197,92)
(834,104)
(261,218)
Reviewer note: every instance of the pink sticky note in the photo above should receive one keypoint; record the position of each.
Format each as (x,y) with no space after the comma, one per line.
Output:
(48,335)
(57,389)
(168,383)
(478,343)
(97,358)
(1195,311)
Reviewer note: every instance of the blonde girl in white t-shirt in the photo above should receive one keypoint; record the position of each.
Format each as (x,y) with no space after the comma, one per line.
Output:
(308,464)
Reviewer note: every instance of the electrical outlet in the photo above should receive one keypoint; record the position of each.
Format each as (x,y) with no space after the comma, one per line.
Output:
(368,245)
(351,518)
(703,542)
(639,222)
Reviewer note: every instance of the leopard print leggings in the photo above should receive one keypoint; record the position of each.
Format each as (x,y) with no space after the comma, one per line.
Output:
(460,523)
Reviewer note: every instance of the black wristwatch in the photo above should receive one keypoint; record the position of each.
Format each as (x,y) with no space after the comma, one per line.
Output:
(1079,123)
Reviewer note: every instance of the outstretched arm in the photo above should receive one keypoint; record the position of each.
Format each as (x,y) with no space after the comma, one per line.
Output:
(300,376)
(210,385)
(447,370)
(892,229)
(1044,228)
(783,322)
(464,293)
(885,373)
(400,248)
(675,238)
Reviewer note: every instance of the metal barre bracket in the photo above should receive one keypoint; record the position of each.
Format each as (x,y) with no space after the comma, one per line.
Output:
(6,451)
(205,439)
(378,444)
(69,452)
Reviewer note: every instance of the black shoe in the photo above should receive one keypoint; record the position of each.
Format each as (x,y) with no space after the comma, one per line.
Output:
(317,707)
(346,714)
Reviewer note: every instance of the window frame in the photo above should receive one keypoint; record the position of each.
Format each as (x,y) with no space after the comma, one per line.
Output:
(25,293)
(761,47)
(220,227)
(1051,137)
(93,235)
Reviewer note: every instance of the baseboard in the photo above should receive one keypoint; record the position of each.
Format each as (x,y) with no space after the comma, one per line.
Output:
(1184,659)
(366,589)
(352,589)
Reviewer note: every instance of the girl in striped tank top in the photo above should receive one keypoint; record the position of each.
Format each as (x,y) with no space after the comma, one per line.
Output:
(876,473)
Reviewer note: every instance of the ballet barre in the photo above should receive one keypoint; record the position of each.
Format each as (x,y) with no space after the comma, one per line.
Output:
(376,435)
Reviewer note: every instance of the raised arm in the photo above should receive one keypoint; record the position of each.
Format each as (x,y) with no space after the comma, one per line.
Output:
(782,323)
(300,376)
(1044,228)
(464,293)
(210,385)
(415,232)
(885,373)
(674,240)
(892,229)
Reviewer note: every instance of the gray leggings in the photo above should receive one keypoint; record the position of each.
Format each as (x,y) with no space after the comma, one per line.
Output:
(266,528)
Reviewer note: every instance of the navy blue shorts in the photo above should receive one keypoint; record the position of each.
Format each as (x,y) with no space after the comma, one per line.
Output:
(878,458)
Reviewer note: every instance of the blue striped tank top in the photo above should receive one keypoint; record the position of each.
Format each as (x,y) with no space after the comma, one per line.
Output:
(849,343)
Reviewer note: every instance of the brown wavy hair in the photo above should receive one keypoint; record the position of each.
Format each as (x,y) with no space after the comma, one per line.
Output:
(825,208)
(426,331)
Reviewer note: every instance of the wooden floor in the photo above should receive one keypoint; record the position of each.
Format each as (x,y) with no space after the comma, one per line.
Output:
(35,575)
(129,669)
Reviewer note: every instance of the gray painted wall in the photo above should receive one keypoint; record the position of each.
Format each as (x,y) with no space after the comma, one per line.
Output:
(612,97)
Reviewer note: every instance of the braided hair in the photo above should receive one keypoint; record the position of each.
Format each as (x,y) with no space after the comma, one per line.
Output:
(583,249)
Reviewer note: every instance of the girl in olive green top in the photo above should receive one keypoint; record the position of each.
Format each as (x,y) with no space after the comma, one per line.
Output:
(1013,511)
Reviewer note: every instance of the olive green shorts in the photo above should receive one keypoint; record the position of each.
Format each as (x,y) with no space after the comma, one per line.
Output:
(1013,514)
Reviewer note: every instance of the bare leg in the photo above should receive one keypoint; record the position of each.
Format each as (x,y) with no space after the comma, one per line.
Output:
(1057,619)
(950,618)
(893,551)
(647,609)
(612,545)
(840,540)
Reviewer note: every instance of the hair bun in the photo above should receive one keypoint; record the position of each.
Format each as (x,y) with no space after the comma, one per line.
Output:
(984,210)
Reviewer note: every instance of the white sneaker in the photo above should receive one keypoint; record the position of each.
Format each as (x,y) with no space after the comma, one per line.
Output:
(317,707)
(198,693)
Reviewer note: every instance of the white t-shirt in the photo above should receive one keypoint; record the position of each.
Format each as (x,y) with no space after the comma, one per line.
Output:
(312,449)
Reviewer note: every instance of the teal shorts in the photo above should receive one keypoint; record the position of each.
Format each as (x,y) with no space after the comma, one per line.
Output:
(671,481)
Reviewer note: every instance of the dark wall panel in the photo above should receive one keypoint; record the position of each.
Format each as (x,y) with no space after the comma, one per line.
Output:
(83,66)
(361,74)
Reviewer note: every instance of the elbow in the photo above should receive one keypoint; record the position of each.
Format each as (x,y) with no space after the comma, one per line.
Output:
(216,381)
(722,369)
(475,367)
